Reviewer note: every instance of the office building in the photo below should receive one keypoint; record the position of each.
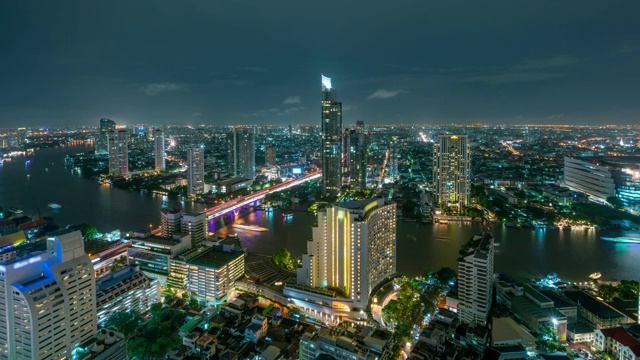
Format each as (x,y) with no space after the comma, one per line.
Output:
(452,171)
(195,162)
(170,222)
(340,343)
(602,177)
(119,153)
(241,152)
(47,300)
(154,253)
(331,139)
(159,150)
(392,166)
(355,157)
(475,279)
(102,139)
(270,155)
(194,224)
(125,290)
(212,273)
(353,249)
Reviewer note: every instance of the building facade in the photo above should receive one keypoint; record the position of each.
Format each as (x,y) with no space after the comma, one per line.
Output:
(356,343)
(195,172)
(158,136)
(102,140)
(47,300)
(617,342)
(355,157)
(241,152)
(353,249)
(475,279)
(194,224)
(331,139)
(452,171)
(170,222)
(125,290)
(392,167)
(270,155)
(118,153)
(153,254)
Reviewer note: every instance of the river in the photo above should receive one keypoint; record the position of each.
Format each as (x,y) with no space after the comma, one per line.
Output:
(522,253)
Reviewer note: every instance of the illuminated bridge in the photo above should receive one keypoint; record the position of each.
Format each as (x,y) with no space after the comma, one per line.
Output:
(236,204)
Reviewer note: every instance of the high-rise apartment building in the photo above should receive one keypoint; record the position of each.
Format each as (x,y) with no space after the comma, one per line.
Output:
(194,224)
(355,156)
(241,152)
(195,173)
(353,249)
(47,300)
(475,279)
(102,139)
(331,139)
(159,150)
(119,153)
(270,155)
(452,171)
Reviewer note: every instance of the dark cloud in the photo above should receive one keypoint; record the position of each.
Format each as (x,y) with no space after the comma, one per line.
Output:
(251,61)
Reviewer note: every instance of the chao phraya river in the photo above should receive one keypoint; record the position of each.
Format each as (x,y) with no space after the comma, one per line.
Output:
(522,253)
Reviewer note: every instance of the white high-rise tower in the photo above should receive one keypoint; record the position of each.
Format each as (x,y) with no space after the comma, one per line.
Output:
(159,150)
(195,161)
(119,153)
(475,280)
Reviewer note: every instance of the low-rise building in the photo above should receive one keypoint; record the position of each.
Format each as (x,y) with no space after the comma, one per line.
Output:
(125,290)
(257,329)
(153,253)
(107,345)
(596,313)
(212,273)
(354,343)
(617,342)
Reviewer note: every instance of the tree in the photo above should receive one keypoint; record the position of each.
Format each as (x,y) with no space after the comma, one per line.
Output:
(445,275)
(125,322)
(118,264)
(155,308)
(137,348)
(282,258)
(606,291)
(628,289)
(88,231)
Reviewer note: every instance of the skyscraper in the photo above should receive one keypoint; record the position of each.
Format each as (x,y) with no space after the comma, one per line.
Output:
(159,153)
(353,249)
(195,161)
(331,139)
(392,167)
(452,171)
(118,153)
(355,155)
(270,155)
(47,300)
(102,140)
(241,152)
(475,280)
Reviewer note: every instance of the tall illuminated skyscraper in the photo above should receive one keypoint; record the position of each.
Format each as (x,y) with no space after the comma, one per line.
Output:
(331,139)
(392,167)
(47,299)
(102,140)
(241,152)
(353,249)
(119,153)
(195,173)
(355,156)
(159,150)
(452,171)
(270,155)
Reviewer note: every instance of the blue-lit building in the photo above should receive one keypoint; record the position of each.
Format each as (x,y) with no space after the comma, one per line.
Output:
(601,177)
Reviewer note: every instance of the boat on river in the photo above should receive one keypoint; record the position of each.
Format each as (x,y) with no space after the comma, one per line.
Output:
(54,206)
(250,227)
(622,239)
(595,276)
(15,210)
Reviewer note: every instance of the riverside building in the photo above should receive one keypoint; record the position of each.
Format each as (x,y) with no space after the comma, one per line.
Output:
(452,171)
(47,300)
(353,249)
(119,153)
(195,173)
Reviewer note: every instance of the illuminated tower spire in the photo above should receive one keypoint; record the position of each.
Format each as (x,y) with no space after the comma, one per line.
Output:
(331,113)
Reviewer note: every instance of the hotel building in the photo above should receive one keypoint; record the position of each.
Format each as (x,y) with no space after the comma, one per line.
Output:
(47,300)
(475,279)
(353,249)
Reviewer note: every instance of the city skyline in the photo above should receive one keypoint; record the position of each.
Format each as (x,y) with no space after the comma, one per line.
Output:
(507,63)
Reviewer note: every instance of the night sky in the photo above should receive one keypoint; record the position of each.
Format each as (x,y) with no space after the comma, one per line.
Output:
(259,62)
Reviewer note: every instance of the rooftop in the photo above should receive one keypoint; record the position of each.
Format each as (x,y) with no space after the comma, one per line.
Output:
(215,258)
(592,305)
